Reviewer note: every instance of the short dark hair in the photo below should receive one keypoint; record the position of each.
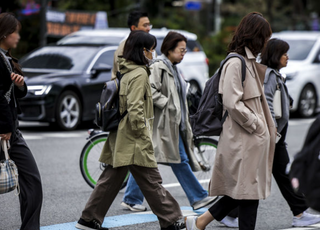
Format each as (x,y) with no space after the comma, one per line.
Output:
(253,32)
(134,17)
(171,41)
(136,42)
(273,51)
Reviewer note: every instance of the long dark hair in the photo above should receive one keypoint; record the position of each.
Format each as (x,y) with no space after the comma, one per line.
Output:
(133,48)
(8,25)
(171,41)
(273,52)
(253,32)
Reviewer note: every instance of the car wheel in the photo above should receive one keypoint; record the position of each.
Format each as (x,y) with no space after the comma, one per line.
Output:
(307,102)
(68,111)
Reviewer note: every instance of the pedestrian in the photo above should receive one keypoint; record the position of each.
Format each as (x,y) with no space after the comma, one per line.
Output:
(12,87)
(137,20)
(130,147)
(243,162)
(305,169)
(275,57)
(172,134)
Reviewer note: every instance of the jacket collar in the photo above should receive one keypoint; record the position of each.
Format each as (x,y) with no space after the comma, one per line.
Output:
(249,54)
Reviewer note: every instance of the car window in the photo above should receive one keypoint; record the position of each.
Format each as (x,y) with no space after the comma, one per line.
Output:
(192,45)
(105,59)
(299,49)
(59,57)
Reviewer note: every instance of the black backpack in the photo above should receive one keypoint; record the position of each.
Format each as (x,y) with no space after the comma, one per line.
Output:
(107,114)
(306,166)
(208,120)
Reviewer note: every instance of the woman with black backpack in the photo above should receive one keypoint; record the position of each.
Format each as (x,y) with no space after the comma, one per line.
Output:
(130,147)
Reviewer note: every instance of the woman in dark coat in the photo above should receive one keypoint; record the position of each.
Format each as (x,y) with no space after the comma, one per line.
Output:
(12,86)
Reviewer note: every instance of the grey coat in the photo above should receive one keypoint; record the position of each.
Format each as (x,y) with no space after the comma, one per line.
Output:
(167,118)
(273,77)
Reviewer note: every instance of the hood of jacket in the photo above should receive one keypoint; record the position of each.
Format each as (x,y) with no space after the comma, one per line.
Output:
(127,66)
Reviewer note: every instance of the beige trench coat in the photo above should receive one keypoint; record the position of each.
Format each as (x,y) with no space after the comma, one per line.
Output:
(132,144)
(167,117)
(117,53)
(243,163)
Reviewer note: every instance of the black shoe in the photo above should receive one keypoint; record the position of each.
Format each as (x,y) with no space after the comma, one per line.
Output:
(175,226)
(92,225)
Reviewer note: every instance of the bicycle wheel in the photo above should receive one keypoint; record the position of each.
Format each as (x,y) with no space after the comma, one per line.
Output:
(90,166)
(205,151)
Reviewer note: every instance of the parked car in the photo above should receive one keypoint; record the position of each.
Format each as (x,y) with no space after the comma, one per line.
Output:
(64,83)
(303,70)
(194,66)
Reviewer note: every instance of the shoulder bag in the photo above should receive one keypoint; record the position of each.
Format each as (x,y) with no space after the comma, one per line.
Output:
(277,107)
(8,172)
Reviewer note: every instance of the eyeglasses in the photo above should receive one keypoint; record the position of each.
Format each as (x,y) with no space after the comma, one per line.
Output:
(183,50)
(147,25)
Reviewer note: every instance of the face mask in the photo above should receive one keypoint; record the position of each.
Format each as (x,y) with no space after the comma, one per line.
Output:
(154,54)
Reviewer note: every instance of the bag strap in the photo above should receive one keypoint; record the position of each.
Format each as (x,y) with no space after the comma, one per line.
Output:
(162,75)
(5,149)
(243,74)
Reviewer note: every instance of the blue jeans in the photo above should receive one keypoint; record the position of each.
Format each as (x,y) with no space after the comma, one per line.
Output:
(184,174)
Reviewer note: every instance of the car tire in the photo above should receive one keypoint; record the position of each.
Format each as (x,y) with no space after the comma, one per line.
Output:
(68,111)
(307,102)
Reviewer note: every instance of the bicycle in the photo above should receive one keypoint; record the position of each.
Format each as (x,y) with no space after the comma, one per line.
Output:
(91,168)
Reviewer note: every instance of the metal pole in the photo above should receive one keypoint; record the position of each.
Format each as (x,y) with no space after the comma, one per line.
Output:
(43,22)
(217,19)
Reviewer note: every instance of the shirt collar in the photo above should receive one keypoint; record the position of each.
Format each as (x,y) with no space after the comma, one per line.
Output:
(4,51)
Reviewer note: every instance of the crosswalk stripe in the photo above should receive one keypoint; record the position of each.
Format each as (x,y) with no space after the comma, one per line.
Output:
(126,219)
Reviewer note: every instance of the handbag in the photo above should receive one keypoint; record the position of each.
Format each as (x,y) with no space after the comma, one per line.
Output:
(8,172)
(277,107)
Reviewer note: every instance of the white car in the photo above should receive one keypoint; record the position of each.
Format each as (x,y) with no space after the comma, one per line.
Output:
(194,66)
(303,70)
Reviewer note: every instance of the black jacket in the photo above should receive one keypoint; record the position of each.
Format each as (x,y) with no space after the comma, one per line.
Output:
(306,166)
(8,112)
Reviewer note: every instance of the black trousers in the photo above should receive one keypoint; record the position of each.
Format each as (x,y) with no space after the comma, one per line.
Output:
(29,181)
(247,211)
(295,201)
(281,159)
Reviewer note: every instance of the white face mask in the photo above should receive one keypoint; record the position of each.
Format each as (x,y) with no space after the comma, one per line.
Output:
(154,54)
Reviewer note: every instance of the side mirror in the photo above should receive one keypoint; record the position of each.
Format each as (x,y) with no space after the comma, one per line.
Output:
(96,70)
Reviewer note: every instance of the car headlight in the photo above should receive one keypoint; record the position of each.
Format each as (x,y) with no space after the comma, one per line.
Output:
(39,89)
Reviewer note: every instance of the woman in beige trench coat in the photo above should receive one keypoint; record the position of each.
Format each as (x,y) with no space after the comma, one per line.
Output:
(172,134)
(243,164)
(130,146)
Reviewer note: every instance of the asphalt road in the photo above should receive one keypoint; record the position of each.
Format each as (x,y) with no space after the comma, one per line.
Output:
(65,192)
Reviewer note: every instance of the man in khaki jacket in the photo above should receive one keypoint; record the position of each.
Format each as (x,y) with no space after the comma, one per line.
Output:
(137,20)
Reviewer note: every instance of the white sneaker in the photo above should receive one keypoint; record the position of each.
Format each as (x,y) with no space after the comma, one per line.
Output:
(305,220)
(134,207)
(230,222)
(204,202)
(191,222)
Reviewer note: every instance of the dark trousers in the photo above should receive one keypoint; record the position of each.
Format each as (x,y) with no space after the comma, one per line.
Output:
(281,159)
(30,196)
(247,211)
(162,204)
(295,201)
